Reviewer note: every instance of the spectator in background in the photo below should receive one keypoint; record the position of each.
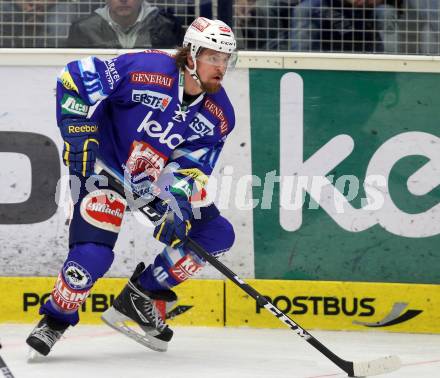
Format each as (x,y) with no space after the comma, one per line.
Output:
(344,26)
(126,24)
(35,23)
(262,24)
(424,15)
(386,15)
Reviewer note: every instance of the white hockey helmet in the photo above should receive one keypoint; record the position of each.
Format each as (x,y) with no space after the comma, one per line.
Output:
(210,34)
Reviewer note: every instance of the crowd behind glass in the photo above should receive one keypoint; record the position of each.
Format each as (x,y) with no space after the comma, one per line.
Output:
(358,26)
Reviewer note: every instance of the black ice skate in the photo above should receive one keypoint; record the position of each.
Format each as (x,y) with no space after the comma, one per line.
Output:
(47,332)
(138,305)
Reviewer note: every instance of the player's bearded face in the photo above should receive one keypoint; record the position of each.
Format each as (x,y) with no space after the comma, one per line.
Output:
(211,68)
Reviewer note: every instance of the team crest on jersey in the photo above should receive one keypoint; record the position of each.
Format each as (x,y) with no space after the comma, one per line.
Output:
(152,99)
(144,162)
(103,208)
(201,125)
(76,276)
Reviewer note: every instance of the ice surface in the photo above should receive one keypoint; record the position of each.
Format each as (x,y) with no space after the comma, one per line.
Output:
(98,351)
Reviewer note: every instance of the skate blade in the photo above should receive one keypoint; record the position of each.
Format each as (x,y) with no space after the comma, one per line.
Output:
(116,320)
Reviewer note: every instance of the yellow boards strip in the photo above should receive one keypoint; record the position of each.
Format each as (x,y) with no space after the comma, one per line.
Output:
(200,301)
(314,304)
(339,305)
(207,299)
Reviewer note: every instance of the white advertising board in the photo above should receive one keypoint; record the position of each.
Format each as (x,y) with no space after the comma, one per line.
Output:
(35,242)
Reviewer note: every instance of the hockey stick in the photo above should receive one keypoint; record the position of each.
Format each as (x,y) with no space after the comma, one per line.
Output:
(353,369)
(4,368)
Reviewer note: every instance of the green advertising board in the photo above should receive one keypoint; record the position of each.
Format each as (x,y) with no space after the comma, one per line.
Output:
(368,144)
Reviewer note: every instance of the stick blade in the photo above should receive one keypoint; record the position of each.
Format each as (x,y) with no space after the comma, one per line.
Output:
(382,365)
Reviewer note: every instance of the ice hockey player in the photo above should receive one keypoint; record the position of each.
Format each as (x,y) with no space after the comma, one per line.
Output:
(155,111)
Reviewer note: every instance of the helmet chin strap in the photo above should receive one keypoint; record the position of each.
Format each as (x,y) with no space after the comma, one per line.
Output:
(193,71)
(194,75)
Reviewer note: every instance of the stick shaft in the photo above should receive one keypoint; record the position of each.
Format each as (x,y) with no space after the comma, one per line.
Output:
(117,183)
(264,302)
(4,369)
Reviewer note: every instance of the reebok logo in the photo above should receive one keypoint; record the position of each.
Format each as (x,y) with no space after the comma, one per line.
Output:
(82,129)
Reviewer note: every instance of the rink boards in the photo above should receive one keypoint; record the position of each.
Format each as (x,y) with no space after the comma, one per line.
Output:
(377,108)
(326,305)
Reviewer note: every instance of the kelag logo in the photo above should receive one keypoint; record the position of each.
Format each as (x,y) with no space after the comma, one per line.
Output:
(164,134)
(348,163)
(378,207)
(334,306)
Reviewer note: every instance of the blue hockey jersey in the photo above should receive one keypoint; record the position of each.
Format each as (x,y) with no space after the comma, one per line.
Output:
(143,123)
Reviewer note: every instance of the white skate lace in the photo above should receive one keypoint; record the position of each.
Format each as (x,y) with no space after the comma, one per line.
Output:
(47,335)
(152,313)
(149,310)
